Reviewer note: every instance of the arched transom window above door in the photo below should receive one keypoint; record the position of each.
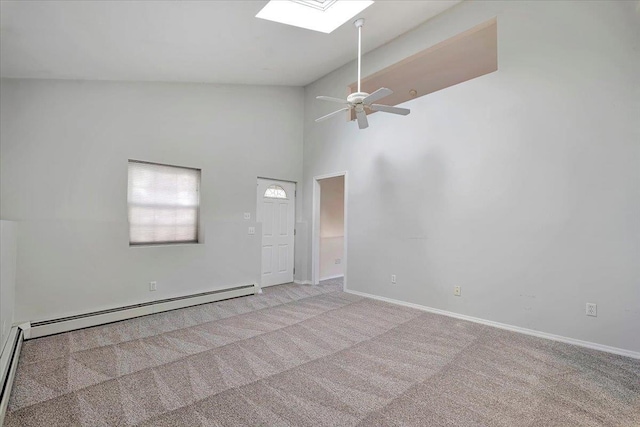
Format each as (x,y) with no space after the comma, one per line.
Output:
(275,192)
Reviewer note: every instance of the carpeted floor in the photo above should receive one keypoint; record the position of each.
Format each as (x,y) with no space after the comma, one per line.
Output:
(313,356)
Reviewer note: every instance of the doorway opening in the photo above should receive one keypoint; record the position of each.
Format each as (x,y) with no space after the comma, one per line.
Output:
(275,209)
(329,239)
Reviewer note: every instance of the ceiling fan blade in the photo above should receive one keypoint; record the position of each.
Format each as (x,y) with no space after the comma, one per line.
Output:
(332,114)
(388,109)
(379,94)
(332,99)
(363,123)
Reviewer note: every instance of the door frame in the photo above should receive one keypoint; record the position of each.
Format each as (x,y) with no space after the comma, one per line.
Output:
(295,201)
(315,227)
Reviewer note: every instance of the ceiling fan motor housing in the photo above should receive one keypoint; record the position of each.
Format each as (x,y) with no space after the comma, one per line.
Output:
(357,97)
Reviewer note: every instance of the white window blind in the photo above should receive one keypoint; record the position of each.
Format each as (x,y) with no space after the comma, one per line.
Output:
(164,203)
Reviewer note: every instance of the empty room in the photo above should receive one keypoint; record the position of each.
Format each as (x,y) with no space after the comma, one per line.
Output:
(319,213)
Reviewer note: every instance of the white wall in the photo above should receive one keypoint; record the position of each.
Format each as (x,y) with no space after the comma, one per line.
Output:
(331,227)
(8,253)
(64,150)
(521,186)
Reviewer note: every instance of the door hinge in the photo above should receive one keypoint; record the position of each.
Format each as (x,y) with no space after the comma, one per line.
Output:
(294,231)
(295,193)
(294,270)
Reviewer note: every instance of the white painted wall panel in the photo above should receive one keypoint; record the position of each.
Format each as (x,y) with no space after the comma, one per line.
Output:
(63,166)
(8,254)
(521,186)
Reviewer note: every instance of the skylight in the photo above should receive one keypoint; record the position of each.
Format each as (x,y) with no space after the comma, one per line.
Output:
(317,15)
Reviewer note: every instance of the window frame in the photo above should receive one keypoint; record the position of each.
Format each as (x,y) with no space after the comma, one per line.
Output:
(198,239)
(277,188)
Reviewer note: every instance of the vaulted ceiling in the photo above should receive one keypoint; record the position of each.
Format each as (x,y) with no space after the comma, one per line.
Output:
(186,41)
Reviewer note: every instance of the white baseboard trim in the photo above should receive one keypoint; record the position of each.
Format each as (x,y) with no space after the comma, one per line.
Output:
(532,332)
(8,367)
(56,326)
(302,282)
(338,276)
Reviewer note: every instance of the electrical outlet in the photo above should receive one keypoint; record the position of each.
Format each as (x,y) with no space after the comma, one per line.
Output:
(338,260)
(393,279)
(153,286)
(252,230)
(592,309)
(457,291)
(247,215)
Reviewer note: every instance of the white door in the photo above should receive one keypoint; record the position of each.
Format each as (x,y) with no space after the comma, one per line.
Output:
(276,211)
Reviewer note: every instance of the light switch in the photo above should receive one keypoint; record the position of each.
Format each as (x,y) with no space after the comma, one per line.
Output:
(252,230)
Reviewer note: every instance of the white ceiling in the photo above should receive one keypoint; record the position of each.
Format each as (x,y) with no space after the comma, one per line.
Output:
(186,41)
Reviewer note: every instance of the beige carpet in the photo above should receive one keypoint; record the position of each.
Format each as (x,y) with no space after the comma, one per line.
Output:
(313,356)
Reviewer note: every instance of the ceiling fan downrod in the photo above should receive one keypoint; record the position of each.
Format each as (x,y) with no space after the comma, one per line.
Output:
(359,23)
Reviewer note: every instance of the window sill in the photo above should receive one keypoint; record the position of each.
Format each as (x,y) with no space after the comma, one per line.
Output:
(164,245)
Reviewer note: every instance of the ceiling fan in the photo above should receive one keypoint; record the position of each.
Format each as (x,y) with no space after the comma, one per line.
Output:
(358,101)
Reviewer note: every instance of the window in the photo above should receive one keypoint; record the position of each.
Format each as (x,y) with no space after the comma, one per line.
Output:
(275,192)
(317,15)
(164,203)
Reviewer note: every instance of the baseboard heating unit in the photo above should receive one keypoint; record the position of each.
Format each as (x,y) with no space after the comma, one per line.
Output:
(8,366)
(11,352)
(64,324)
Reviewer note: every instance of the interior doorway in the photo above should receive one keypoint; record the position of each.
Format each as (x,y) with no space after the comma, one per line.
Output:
(329,240)
(275,209)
